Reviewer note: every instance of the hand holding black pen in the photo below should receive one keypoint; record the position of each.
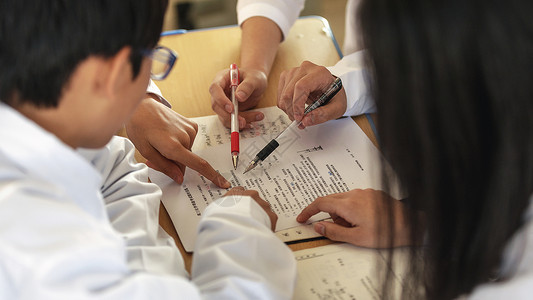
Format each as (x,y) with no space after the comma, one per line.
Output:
(332,90)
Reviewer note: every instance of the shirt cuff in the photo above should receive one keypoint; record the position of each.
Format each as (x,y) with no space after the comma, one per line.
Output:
(238,205)
(152,89)
(356,82)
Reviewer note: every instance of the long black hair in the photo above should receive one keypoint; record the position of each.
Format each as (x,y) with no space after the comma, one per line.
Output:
(41,42)
(453,82)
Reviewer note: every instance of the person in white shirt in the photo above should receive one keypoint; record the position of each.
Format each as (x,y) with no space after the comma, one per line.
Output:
(78,217)
(264,25)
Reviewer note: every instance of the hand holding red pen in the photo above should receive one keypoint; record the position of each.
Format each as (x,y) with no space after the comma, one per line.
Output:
(252,86)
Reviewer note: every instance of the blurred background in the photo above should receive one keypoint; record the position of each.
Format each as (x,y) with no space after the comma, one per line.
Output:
(198,14)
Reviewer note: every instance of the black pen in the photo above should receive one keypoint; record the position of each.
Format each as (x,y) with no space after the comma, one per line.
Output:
(333,89)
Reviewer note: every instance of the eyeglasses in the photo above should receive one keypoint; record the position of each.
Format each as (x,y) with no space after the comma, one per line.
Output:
(163,60)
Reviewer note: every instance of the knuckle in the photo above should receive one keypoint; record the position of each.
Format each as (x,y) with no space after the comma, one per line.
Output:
(202,163)
(212,88)
(194,126)
(306,63)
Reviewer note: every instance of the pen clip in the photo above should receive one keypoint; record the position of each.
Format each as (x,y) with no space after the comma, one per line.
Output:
(234,75)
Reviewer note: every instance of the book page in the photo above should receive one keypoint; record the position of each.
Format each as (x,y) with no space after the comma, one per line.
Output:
(328,158)
(344,271)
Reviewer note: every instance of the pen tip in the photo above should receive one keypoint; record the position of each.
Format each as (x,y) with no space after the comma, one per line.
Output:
(250,166)
(235,160)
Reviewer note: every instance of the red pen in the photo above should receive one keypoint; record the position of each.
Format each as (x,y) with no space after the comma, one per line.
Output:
(234,76)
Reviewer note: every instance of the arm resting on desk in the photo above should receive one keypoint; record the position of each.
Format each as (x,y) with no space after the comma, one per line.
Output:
(238,256)
(132,205)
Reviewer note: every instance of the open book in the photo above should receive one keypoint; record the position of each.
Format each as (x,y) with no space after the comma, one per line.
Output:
(329,158)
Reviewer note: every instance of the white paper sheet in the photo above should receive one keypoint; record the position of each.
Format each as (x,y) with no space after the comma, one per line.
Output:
(329,158)
(211,132)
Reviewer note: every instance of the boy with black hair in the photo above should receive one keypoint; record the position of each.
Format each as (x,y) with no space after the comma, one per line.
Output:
(80,223)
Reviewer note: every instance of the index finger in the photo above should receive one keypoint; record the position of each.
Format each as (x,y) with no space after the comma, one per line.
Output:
(322,204)
(333,110)
(219,98)
(200,165)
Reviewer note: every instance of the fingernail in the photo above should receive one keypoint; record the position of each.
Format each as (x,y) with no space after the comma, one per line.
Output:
(177,178)
(320,228)
(240,95)
(227,107)
(259,117)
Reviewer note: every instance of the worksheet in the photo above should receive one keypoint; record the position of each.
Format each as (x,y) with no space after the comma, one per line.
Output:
(343,272)
(328,158)
(211,132)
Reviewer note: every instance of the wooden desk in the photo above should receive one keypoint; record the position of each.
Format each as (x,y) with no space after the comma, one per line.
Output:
(205,52)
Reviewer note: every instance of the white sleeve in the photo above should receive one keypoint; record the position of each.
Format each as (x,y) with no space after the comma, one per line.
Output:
(132,204)
(282,12)
(356,82)
(65,248)
(238,257)
(266,271)
(516,289)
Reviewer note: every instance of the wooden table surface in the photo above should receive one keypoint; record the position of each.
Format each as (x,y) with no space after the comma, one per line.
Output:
(203,53)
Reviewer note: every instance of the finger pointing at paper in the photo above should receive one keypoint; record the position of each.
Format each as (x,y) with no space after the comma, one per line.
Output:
(359,218)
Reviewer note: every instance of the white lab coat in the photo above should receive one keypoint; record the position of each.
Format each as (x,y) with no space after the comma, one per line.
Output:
(350,68)
(86,227)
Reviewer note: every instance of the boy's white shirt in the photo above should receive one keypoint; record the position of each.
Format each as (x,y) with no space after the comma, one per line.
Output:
(84,224)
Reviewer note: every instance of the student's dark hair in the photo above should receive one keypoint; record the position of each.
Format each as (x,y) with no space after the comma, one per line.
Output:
(453,82)
(42,42)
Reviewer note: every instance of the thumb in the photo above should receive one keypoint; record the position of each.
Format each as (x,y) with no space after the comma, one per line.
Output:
(243,91)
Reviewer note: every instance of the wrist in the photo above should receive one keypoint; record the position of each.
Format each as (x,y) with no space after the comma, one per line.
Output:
(158,98)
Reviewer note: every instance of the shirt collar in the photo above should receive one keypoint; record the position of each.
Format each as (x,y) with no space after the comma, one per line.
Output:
(39,153)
